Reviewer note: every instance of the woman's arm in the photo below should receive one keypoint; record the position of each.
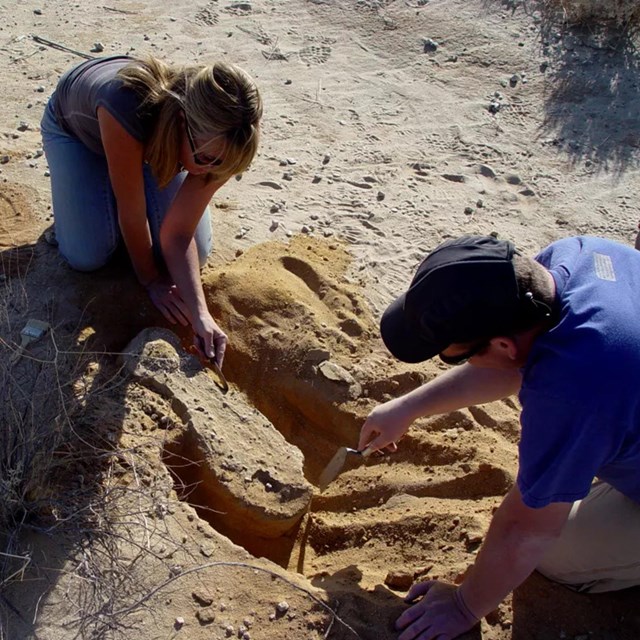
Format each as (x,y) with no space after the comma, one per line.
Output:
(125,157)
(180,252)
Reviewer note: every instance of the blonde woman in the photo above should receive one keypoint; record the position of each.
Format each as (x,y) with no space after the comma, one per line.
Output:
(136,149)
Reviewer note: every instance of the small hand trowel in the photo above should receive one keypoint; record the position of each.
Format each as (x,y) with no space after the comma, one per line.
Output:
(333,469)
(32,331)
(212,366)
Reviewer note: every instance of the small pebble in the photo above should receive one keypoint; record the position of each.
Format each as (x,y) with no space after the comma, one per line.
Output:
(179,623)
(282,607)
(429,45)
(98,47)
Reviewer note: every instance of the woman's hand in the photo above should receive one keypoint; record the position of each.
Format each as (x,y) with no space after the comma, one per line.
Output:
(166,297)
(385,425)
(210,339)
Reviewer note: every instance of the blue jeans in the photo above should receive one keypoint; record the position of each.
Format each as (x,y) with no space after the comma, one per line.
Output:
(84,206)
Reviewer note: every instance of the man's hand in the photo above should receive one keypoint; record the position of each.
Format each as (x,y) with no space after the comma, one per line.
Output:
(385,425)
(210,339)
(441,614)
(166,297)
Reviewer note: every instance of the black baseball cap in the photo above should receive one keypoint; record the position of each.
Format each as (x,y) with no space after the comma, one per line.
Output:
(465,290)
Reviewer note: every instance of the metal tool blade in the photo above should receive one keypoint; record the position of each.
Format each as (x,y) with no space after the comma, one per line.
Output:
(333,469)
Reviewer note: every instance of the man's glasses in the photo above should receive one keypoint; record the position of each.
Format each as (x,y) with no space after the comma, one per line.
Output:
(461,358)
(200,159)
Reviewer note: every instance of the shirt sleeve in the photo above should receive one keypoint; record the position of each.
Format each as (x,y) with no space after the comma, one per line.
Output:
(562,446)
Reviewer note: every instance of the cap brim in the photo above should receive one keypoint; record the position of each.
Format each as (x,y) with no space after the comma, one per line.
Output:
(401,337)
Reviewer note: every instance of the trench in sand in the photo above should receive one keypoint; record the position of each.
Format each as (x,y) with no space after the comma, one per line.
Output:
(288,315)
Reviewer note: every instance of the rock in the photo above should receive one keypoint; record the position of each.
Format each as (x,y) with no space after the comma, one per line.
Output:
(380,196)
(335,373)
(38,12)
(274,225)
(316,178)
(326,159)
(206,616)
(202,598)
(486,171)
(429,45)
(494,106)
(98,47)
(399,579)
(4,159)
(178,623)
(282,607)
(287,175)
(23,126)
(468,211)
(514,179)
(513,80)
(217,427)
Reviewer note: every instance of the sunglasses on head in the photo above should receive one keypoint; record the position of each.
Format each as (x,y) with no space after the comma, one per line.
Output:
(461,358)
(200,159)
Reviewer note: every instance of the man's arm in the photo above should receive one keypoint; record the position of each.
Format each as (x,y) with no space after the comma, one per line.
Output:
(515,544)
(457,388)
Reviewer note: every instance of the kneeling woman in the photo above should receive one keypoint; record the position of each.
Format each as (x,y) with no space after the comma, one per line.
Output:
(136,149)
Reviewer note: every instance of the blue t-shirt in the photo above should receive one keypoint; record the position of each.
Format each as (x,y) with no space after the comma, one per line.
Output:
(580,393)
(94,84)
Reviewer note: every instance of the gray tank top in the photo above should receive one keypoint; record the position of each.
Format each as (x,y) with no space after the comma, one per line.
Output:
(94,84)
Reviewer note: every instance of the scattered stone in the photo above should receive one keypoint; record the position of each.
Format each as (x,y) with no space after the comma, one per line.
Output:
(98,47)
(206,616)
(243,6)
(47,173)
(479,204)
(40,89)
(274,225)
(288,81)
(528,192)
(202,598)
(23,126)
(178,623)
(380,196)
(494,106)
(486,171)
(305,229)
(282,607)
(316,178)
(4,159)
(429,45)
(454,177)
(287,175)
(38,12)
(399,580)
(291,161)
(326,159)
(514,179)
(468,210)
(513,80)
(229,630)
(175,570)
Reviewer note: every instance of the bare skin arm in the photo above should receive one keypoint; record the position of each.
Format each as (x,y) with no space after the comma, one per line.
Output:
(125,157)
(180,252)
(515,544)
(457,388)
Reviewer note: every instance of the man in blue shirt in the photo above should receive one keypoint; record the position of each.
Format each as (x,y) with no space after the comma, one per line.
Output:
(563,331)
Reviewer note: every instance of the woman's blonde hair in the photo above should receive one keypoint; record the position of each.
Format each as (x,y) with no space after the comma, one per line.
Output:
(218,100)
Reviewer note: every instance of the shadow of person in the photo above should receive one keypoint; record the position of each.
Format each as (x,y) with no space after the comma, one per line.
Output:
(543,609)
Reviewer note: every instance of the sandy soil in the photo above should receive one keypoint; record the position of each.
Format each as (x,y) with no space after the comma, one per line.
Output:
(376,147)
